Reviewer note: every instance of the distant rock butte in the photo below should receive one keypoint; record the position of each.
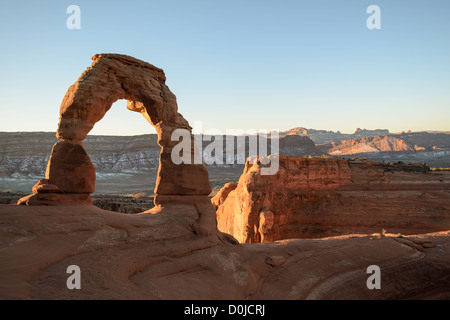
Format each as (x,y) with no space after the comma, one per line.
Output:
(370,133)
(328,136)
(384,143)
(295,145)
(312,198)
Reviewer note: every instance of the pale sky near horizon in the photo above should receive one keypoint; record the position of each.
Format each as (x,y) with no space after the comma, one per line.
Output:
(238,64)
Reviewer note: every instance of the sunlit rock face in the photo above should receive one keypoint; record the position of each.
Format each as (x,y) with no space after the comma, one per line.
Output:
(321,197)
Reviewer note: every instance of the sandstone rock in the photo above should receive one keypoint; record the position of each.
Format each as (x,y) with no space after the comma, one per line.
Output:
(296,145)
(428,244)
(56,199)
(181,179)
(70,168)
(314,198)
(266,221)
(112,77)
(44,186)
(158,256)
(206,224)
(382,143)
(220,197)
(409,243)
(416,243)
(422,242)
(275,261)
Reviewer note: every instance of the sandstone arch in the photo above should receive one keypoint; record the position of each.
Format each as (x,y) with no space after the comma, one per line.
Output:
(70,175)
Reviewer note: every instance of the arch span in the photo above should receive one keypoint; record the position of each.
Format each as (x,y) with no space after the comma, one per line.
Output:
(70,175)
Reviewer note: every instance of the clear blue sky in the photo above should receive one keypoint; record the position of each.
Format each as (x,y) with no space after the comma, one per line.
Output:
(238,64)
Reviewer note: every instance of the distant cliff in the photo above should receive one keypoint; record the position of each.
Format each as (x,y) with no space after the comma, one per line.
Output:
(326,136)
(28,152)
(24,157)
(384,143)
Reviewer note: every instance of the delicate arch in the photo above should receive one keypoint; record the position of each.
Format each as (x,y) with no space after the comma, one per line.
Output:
(70,175)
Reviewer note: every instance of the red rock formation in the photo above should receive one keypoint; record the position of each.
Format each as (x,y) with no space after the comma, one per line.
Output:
(384,143)
(70,169)
(157,256)
(311,198)
(112,77)
(222,195)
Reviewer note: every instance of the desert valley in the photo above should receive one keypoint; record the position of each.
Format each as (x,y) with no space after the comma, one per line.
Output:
(126,166)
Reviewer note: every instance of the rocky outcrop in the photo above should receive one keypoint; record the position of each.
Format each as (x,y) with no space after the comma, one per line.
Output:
(327,136)
(322,197)
(112,77)
(385,143)
(364,133)
(222,195)
(295,145)
(127,203)
(158,256)
(70,175)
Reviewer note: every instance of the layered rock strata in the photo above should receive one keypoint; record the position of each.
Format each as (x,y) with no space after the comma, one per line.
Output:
(321,197)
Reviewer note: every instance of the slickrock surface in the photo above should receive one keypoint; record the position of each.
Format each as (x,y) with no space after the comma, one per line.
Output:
(159,256)
(123,203)
(311,198)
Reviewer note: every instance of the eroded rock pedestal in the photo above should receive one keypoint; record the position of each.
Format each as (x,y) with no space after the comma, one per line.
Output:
(70,175)
(314,198)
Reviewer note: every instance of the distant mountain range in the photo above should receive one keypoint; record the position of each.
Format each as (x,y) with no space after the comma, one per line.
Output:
(324,136)
(28,152)
(432,147)
(24,155)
